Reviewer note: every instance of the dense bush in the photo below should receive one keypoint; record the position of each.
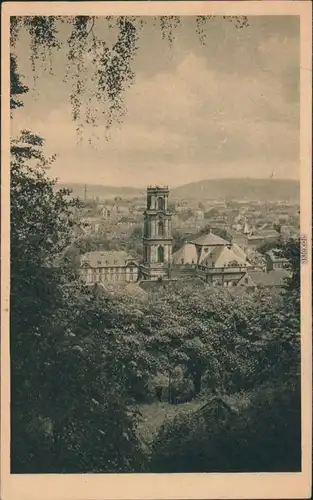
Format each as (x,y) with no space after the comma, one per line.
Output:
(264,437)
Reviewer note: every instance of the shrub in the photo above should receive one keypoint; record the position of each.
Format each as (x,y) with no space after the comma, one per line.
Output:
(264,437)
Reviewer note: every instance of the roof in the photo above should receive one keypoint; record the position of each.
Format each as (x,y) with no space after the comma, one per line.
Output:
(238,251)
(106,258)
(222,257)
(268,232)
(267,279)
(90,219)
(275,256)
(210,239)
(188,253)
(255,237)
(127,220)
(135,290)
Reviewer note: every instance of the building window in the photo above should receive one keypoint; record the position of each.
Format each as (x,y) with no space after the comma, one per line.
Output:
(160,253)
(246,281)
(182,261)
(160,228)
(160,203)
(145,254)
(149,202)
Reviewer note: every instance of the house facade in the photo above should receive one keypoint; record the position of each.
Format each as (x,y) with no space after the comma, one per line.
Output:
(108,267)
(274,261)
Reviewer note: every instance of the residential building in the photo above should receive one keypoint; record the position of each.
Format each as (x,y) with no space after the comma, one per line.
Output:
(108,266)
(254,280)
(127,222)
(274,260)
(90,225)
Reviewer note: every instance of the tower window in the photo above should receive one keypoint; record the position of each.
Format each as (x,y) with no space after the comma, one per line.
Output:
(160,254)
(149,202)
(160,203)
(160,228)
(145,228)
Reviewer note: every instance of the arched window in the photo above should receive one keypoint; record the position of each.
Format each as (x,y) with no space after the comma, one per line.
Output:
(160,254)
(160,228)
(160,203)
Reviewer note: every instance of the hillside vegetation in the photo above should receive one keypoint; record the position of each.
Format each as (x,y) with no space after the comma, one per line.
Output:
(224,189)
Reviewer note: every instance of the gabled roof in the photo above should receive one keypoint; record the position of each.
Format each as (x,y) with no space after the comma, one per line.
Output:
(210,239)
(246,280)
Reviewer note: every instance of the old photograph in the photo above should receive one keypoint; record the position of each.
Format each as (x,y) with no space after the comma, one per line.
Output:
(155,244)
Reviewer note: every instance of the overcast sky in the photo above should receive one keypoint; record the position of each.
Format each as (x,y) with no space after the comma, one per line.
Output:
(227,109)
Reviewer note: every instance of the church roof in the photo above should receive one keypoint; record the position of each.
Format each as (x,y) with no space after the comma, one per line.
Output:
(210,239)
(238,251)
(187,253)
(222,257)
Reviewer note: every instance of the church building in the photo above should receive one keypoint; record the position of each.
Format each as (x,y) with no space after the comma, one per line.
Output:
(157,238)
(208,257)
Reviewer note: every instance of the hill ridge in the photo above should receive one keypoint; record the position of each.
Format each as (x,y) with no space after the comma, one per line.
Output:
(230,188)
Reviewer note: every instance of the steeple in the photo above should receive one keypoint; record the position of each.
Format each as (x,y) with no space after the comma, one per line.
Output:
(157,234)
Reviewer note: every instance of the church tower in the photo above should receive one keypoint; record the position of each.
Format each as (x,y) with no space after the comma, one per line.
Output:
(157,235)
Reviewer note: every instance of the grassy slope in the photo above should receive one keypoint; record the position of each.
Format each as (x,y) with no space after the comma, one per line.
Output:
(155,414)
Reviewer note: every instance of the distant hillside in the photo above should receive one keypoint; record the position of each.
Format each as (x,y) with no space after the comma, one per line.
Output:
(224,189)
(101,192)
(241,189)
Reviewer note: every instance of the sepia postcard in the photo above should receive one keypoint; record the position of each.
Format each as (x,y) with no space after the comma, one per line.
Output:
(156,281)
